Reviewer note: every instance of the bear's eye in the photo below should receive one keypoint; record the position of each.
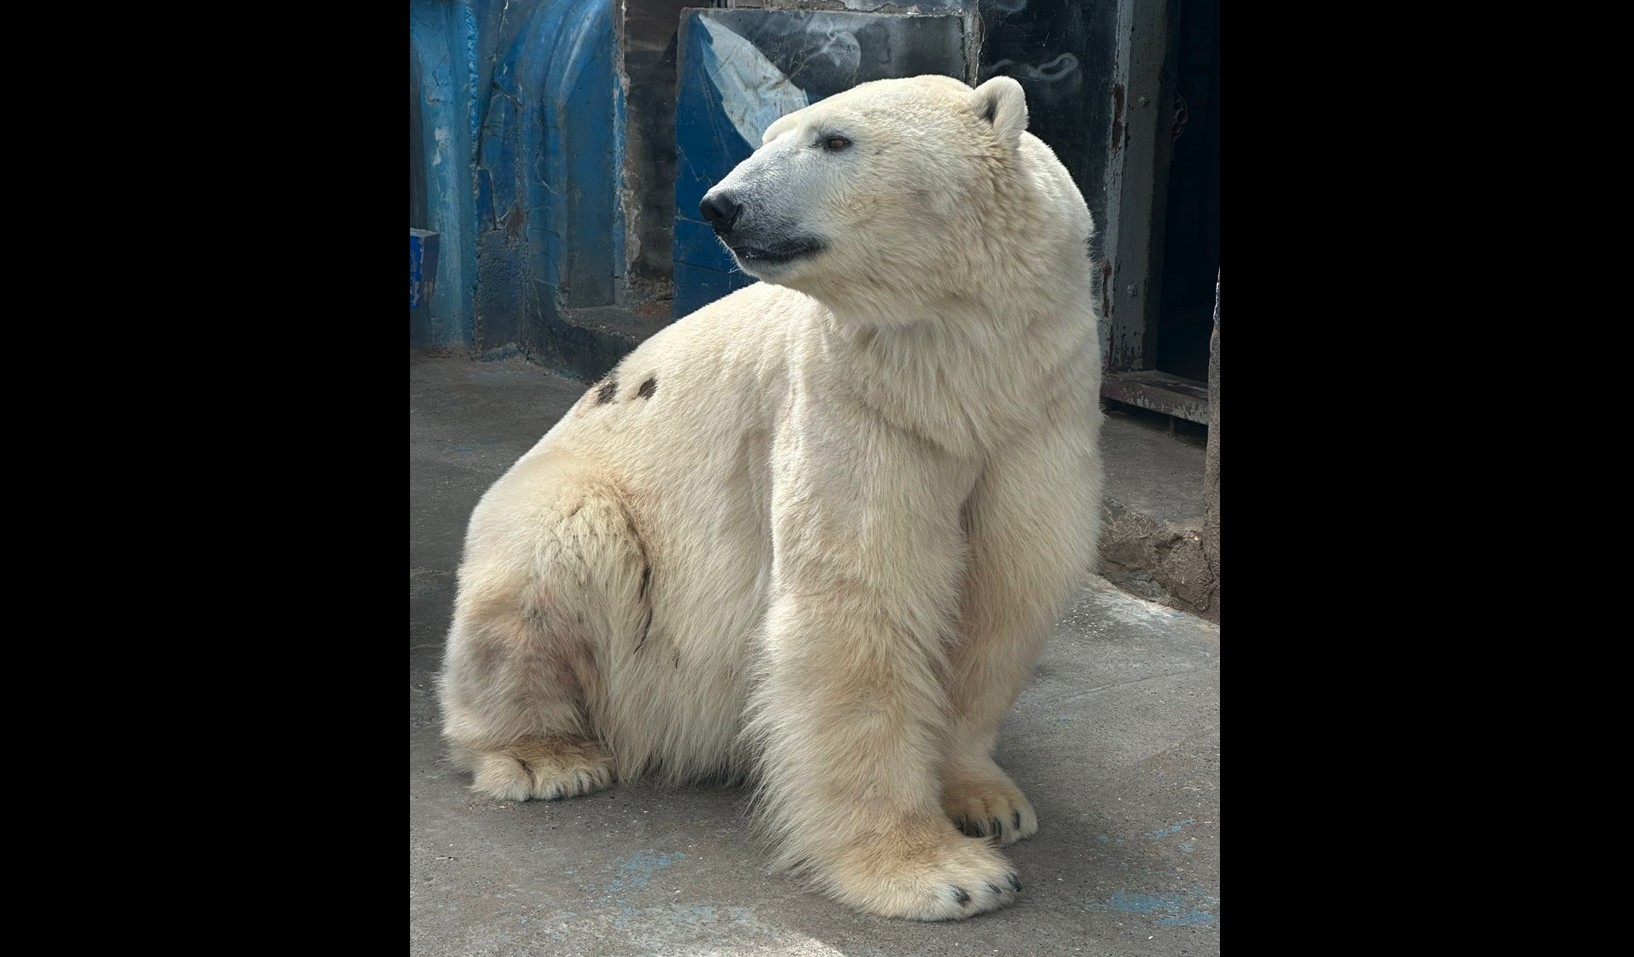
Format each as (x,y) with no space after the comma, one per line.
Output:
(834,143)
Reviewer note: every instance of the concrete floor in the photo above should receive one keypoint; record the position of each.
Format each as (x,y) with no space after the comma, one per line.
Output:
(1116,742)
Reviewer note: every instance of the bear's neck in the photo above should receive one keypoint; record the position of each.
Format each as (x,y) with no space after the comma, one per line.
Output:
(969,376)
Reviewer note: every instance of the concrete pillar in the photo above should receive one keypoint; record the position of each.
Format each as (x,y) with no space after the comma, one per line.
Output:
(1211,457)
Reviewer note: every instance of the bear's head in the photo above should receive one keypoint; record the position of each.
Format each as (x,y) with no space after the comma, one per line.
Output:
(893,196)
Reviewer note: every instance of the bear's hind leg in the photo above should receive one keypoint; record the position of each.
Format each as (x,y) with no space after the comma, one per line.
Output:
(553,576)
(513,709)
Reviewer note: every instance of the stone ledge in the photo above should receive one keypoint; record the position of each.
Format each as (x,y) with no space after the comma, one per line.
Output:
(1159,562)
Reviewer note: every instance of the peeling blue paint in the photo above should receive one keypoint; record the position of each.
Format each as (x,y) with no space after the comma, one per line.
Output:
(468,20)
(440,91)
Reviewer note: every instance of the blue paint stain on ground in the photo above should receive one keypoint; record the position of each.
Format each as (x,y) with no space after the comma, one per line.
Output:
(1171,830)
(634,873)
(1170,910)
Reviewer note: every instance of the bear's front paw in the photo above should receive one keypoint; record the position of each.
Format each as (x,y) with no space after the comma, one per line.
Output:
(927,873)
(544,768)
(984,802)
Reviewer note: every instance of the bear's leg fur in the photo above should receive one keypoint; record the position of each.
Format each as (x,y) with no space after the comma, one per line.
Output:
(1032,523)
(851,715)
(553,570)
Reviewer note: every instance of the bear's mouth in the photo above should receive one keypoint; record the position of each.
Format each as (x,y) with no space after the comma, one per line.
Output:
(775,255)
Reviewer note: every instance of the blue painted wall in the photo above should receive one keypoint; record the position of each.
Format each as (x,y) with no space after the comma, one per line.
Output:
(522,130)
(517,120)
(439,35)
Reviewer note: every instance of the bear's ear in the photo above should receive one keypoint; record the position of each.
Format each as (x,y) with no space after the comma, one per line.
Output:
(776,129)
(1001,102)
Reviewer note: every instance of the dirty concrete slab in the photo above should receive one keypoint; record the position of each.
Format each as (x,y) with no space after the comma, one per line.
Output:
(1116,741)
(1157,479)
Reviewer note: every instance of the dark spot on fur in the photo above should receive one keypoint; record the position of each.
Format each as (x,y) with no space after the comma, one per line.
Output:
(646,578)
(604,395)
(648,387)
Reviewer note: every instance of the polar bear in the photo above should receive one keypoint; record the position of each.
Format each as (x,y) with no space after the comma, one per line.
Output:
(814,535)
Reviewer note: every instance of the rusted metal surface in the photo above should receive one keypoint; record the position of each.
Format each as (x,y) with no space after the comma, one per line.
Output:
(1160,392)
(1137,170)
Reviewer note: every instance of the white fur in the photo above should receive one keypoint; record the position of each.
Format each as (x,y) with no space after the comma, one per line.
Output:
(825,551)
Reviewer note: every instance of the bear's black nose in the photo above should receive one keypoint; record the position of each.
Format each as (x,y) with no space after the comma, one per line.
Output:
(720,211)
